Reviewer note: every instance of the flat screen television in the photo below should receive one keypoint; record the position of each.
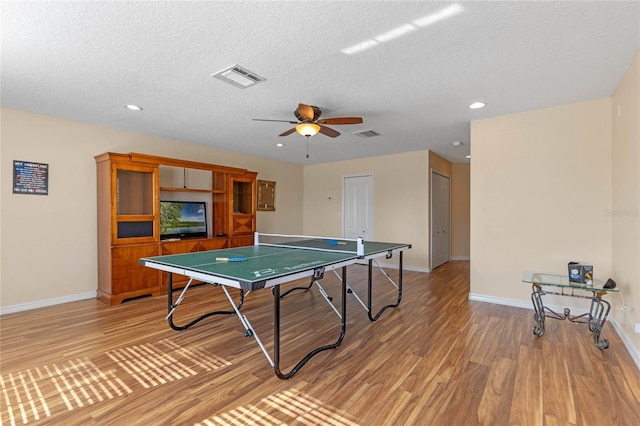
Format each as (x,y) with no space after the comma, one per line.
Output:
(183,219)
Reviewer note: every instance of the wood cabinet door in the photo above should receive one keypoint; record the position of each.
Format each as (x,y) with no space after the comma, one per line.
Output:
(176,247)
(214,244)
(129,279)
(244,240)
(243,224)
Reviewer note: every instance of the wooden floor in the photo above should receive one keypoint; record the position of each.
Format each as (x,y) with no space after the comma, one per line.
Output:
(438,359)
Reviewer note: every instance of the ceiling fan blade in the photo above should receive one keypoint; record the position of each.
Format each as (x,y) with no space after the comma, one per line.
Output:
(306,112)
(279,121)
(327,131)
(341,120)
(288,132)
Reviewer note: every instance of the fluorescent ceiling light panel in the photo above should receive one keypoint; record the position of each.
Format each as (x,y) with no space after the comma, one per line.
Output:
(407,28)
(367,44)
(440,15)
(395,33)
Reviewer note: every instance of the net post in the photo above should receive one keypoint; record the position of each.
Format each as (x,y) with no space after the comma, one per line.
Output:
(256,240)
(360,247)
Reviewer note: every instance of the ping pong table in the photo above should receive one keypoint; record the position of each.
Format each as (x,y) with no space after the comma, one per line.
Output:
(273,260)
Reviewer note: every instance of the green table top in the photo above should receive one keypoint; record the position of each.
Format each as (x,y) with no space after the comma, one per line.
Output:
(264,263)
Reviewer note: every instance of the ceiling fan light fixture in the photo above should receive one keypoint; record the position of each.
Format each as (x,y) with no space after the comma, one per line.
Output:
(307,129)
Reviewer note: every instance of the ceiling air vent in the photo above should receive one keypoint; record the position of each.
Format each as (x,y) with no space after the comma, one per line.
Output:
(367,133)
(238,76)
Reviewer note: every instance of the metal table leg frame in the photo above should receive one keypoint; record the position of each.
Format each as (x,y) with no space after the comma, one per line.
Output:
(597,317)
(370,287)
(298,288)
(171,306)
(538,308)
(306,358)
(249,332)
(322,291)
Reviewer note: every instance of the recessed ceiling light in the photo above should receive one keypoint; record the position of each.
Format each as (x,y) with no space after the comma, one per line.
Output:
(477,105)
(457,143)
(467,156)
(133,107)
(279,144)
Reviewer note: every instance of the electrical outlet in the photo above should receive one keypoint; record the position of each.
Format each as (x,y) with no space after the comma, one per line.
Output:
(638,327)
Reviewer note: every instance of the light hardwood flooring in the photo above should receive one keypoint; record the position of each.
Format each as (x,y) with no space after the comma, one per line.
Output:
(438,359)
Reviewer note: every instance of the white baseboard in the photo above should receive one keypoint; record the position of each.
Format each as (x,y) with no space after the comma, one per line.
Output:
(633,351)
(500,301)
(416,268)
(460,257)
(47,302)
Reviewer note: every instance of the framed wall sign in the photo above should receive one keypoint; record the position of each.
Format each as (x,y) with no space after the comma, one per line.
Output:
(30,178)
(266,195)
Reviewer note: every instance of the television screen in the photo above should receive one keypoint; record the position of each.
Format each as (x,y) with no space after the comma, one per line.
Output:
(183,219)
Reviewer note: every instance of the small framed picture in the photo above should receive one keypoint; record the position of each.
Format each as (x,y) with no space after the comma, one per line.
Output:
(266,195)
(30,178)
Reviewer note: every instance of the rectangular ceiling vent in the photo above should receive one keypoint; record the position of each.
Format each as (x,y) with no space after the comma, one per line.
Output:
(238,76)
(367,133)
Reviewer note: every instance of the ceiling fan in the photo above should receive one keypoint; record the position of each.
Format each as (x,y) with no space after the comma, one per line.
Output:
(309,122)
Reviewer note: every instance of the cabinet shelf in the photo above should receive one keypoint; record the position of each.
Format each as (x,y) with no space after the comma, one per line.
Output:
(206,191)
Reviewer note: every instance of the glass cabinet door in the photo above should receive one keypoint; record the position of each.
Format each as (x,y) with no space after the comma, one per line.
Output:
(242,197)
(135,189)
(135,192)
(243,206)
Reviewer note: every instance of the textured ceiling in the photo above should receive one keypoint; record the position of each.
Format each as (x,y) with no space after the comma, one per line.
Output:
(85,60)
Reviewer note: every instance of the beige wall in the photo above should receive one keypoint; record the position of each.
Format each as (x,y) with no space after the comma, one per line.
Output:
(560,184)
(58,232)
(460,193)
(625,209)
(540,193)
(401,202)
(49,243)
(439,164)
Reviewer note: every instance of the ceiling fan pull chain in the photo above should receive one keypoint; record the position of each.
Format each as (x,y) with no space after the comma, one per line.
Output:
(307,146)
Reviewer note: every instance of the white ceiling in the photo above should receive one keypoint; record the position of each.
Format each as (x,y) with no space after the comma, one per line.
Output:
(85,60)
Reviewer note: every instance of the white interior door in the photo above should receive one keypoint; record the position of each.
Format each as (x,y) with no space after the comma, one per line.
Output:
(440,219)
(357,207)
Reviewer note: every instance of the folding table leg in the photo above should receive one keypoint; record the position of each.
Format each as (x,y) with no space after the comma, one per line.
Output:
(306,358)
(171,307)
(370,288)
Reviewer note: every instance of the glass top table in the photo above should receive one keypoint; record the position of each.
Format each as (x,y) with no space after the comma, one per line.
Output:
(543,284)
(544,279)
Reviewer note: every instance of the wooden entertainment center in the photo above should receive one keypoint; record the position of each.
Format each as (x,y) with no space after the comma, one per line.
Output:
(130,188)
